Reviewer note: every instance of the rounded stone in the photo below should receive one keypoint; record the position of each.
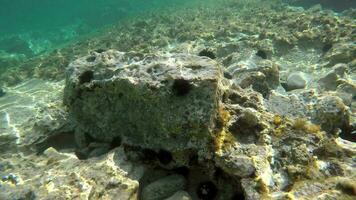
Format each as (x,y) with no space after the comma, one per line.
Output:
(296,80)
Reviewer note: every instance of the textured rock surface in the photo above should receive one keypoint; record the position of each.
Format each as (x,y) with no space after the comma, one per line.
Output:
(259,140)
(180,195)
(58,175)
(23,107)
(163,188)
(145,103)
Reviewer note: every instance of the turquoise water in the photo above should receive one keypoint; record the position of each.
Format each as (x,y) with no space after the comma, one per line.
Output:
(31,27)
(40,15)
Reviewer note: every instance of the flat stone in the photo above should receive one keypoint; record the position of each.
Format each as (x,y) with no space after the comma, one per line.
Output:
(236,165)
(163,188)
(330,81)
(161,102)
(180,195)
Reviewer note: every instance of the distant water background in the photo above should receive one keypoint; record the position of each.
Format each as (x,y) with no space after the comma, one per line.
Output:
(44,24)
(31,27)
(336,5)
(40,15)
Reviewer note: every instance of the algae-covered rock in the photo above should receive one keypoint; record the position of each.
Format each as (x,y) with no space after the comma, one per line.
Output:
(332,114)
(166,102)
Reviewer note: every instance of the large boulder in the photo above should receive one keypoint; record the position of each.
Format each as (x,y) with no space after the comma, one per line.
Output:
(161,102)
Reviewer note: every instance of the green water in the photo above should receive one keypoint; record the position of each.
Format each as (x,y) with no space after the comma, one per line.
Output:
(41,15)
(31,27)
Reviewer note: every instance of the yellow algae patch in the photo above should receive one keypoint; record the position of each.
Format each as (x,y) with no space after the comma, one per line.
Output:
(308,127)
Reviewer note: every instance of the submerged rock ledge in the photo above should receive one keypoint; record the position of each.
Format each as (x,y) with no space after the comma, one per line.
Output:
(172,127)
(236,108)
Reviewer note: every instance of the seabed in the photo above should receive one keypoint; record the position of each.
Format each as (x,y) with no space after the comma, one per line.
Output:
(236,100)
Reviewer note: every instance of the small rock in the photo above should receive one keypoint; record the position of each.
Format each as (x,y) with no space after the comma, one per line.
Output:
(164,188)
(250,116)
(237,165)
(296,80)
(262,75)
(332,114)
(54,154)
(331,80)
(180,195)
(340,53)
(11,177)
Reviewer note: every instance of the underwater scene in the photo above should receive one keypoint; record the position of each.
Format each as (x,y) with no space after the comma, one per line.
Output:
(177,99)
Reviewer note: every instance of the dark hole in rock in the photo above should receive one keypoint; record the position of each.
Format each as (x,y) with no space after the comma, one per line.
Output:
(218,173)
(349,133)
(181,87)
(91,59)
(100,51)
(327,47)
(262,54)
(207,53)
(165,157)
(82,154)
(347,188)
(207,190)
(193,159)
(283,154)
(86,77)
(227,75)
(285,86)
(61,141)
(288,188)
(2,92)
(238,196)
(184,171)
(88,138)
(116,142)
(149,155)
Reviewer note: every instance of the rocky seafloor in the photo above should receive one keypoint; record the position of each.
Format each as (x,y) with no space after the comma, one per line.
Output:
(249,100)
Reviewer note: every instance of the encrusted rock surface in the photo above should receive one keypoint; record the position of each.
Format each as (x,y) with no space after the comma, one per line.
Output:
(64,176)
(232,107)
(146,103)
